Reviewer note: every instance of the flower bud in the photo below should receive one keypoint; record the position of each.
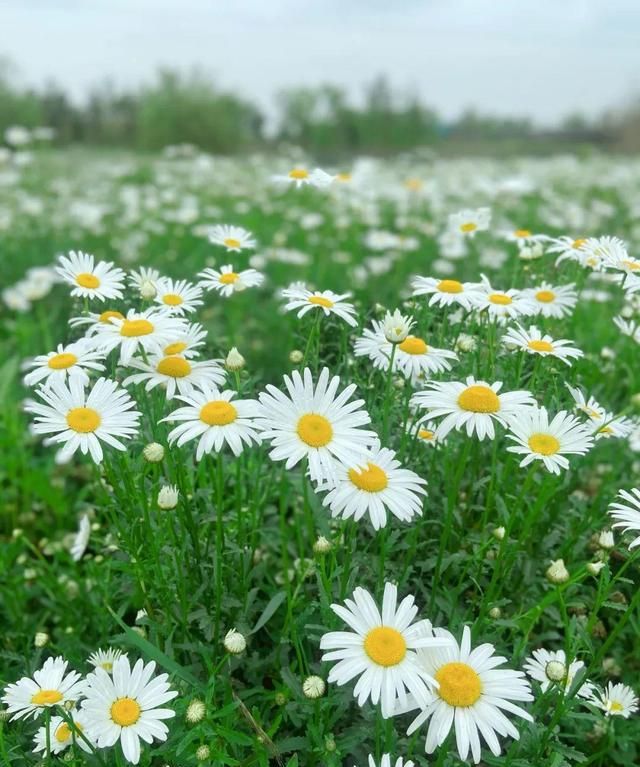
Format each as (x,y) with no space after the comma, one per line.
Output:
(153,452)
(148,290)
(322,545)
(557,572)
(498,533)
(234,361)
(203,753)
(605,540)
(41,639)
(593,568)
(314,687)
(234,642)
(555,671)
(168,497)
(296,356)
(495,613)
(195,711)
(396,327)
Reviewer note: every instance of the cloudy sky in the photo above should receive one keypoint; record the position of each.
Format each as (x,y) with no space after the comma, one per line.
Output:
(542,58)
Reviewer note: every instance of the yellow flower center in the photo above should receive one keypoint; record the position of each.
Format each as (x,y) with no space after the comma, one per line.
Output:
(522,233)
(176,348)
(469,226)
(449,286)
(606,430)
(46,697)
(545,296)
(426,434)
(577,244)
(385,646)
(218,412)
(231,242)
(413,345)
(107,666)
(62,361)
(615,706)
(83,419)
(632,265)
(344,177)
(86,280)
(125,712)
(176,367)
(479,399)
(63,733)
(228,278)
(373,479)
(172,299)
(502,299)
(134,328)
(299,174)
(413,184)
(540,346)
(110,314)
(321,301)
(459,684)
(545,444)
(314,430)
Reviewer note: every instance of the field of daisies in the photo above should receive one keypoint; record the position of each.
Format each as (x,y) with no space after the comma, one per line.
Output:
(319,466)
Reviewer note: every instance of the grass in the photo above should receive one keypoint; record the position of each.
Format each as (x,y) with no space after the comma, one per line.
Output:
(238,549)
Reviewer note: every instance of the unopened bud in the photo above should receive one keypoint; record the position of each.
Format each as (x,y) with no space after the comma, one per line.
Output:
(148,290)
(234,642)
(153,452)
(498,533)
(41,639)
(495,613)
(314,687)
(168,497)
(195,711)
(557,572)
(234,361)
(555,671)
(593,568)
(296,356)
(203,753)
(322,545)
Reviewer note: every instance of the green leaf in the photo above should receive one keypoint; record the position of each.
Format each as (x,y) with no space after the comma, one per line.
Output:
(269,610)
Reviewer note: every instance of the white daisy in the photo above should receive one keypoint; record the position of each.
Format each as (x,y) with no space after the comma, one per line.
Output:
(473,404)
(590,407)
(468,222)
(227,282)
(382,485)
(608,252)
(538,439)
(178,296)
(213,418)
(617,700)
(425,432)
(94,320)
(552,301)
(447,292)
(626,512)
(70,361)
(145,274)
(233,238)
(300,176)
(50,686)
(612,425)
(61,735)
(549,667)
(502,304)
(104,658)
(326,300)
(414,358)
(385,761)
(125,707)
(151,331)
(471,696)
(567,248)
(176,374)
(188,341)
(381,650)
(522,237)
(81,539)
(534,342)
(99,280)
(83,419)
(311,422)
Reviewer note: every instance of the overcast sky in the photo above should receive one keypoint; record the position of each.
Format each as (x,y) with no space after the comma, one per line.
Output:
(542,58)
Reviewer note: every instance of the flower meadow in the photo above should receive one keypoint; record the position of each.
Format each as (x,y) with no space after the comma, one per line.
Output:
(310,466)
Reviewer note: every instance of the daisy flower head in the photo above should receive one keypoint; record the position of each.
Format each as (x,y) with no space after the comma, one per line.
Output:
(616,700)
(227,282)
(414,358)
(425,432)
(214,418)
(523,237)
(447,291)
(312,421)
(607,252)
(567,248)
(325,300)
(188,341)
(468,222)
(503,304)
(381,649)
(178,296)
(589,406)
(396,326)
(626,512)
(552,301)
(104,659)
(74,360)
(94,320)
(125,706)
(473,405)
(61,735)
(51,685)
(385,761)
(534,342)
(176,374)
(82,419)
(381,486)
(233,238)
(91,279)
(550,669)
(144,274)
(612,425)
(300,176)
(472,696)
(539,439)
(150,331)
